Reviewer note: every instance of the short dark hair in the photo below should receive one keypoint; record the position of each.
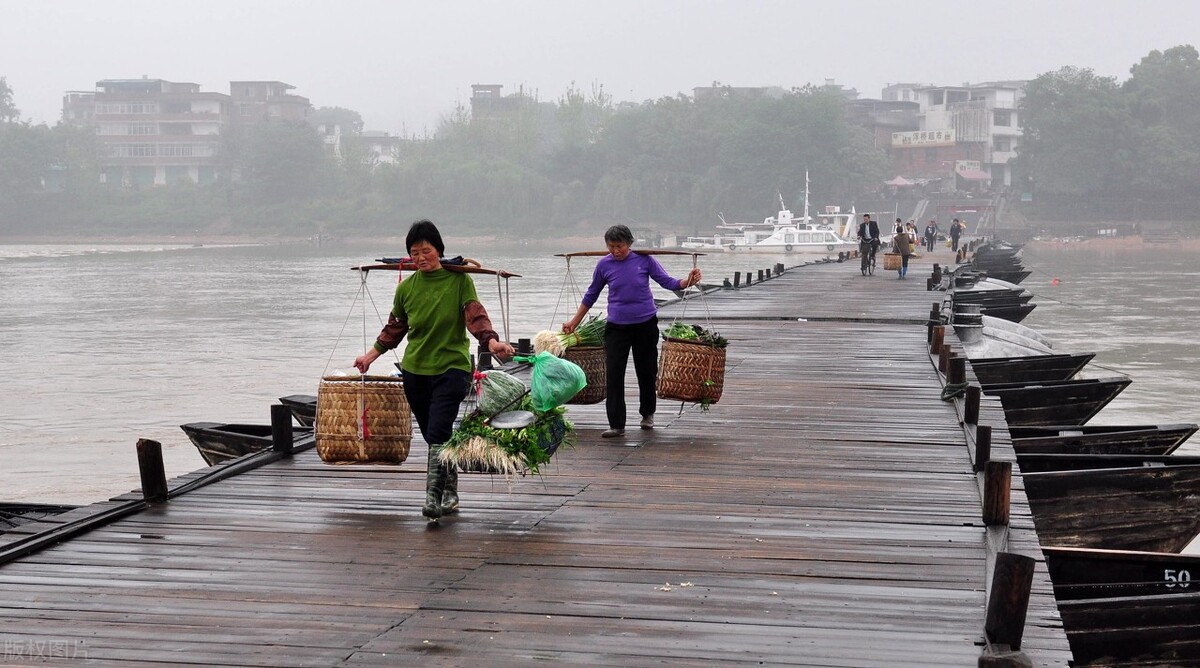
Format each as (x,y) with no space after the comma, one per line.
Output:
(618,234)
(425,230)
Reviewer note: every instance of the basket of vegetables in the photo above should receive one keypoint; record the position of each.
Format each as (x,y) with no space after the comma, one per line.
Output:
(476,446)
(691,366)
(585,347)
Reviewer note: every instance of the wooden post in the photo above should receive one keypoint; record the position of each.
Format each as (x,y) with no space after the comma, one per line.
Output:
(485,360)
(281,429)
(1012,581)
(760,275)
(997,492)
(749,275)
(983,446)
(939,338)
(944,358)
(737,279)
(524,347)
(957,370)
(971,412)
(150,466)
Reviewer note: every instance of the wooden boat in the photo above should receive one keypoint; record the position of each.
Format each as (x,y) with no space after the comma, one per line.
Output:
(1080,572)
(1040,463)
(1156,509)
(1056,402)
(1030,368)
(15,514)
(1011,312)
(1100,439)
(1013,275)
(221,442)
(1016,328)
(303,407)
(1156,631)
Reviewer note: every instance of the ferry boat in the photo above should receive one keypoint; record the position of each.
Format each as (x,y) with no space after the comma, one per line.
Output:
(833,231)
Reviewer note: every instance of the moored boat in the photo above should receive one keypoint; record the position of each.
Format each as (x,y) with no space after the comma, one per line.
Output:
(1133,630)
(303,408)
(1155,509)
(1041,463)
(1080,572)
(1029,368)
(1056,402)
(219,442)
(1100,439)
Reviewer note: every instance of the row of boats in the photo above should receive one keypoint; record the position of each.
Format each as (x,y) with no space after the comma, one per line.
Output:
(1114,506)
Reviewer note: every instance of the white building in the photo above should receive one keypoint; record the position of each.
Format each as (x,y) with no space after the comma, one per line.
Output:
(983,116)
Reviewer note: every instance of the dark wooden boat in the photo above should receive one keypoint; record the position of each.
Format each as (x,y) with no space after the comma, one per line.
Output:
(303,407)
(219,442)
(1100,439)
(1029,369)
(1056,402)
(1079,572)
(1141,631)
(1013,313)
(1156,509)
(1058,462)
(15,514)
(1013,275)
(999,296)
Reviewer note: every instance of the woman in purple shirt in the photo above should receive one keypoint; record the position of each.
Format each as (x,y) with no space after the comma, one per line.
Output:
(632,322)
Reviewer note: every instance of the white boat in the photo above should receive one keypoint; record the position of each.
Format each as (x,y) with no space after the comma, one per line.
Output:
(784,233)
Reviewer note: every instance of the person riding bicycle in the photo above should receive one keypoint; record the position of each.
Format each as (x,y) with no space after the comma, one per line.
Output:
(868,241)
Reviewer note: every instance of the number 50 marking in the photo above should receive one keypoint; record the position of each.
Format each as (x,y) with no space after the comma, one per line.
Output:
(1177,578)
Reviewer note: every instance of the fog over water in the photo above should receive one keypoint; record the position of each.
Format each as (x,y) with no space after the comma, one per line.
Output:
(108,344)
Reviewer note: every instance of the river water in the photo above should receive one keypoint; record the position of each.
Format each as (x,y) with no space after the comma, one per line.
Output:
(103,345)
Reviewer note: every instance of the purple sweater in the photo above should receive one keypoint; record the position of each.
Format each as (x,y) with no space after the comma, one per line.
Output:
(629,298)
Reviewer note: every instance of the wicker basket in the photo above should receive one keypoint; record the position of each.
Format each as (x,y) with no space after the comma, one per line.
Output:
(891,261)
(343,435)
(690,371)
(593,361)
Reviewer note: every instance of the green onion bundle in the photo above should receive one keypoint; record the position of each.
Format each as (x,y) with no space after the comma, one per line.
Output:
(589,333)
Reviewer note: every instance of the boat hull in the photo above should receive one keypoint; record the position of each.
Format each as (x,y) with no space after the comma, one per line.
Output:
(218,442)
(1079,573)
(1100,439)
(1133,630)
(1057,402)
(1044,463)
(1029,369)
(303,408)
(1151,509)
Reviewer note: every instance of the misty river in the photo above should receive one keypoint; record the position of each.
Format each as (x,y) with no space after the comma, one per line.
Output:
(105,344)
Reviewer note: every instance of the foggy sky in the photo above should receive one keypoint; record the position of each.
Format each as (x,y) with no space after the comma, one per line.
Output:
(403,65)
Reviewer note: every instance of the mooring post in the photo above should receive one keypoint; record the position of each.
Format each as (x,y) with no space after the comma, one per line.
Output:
(1012,582)
(944,358)
(281,429)
(983,447)
(997,492)
(748,276)
(150,467)
(957,370)
(737,279)
(939,337)
(971,411)
(760,275)
(485,360)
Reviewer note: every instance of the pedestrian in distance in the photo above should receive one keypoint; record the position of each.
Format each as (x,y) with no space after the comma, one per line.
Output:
(931,232)
(956,230)
(632,323)
(903,242)
(435,307)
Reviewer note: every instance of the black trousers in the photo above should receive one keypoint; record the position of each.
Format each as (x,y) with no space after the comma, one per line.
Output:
(435,401)
(642,339)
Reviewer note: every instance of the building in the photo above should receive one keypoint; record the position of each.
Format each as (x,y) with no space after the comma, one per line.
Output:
(258,101)
(883,118)
(985,123)
(152,131)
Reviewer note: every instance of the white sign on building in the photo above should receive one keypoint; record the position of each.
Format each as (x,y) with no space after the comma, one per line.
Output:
(923,138)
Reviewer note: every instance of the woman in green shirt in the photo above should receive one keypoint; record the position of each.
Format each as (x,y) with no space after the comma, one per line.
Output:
(433,307)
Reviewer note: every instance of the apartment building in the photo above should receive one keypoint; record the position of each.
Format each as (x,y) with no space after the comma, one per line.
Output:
(985,122)
(156,132)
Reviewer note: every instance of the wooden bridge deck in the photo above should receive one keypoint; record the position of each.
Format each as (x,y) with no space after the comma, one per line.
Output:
(824,513)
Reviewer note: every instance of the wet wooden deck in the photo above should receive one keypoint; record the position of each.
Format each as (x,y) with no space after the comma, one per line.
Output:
(824,513)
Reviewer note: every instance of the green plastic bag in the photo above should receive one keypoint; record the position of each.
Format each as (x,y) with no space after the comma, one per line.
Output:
(555,380)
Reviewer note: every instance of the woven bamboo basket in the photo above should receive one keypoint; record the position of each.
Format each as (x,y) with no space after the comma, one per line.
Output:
(891,261)
(593,361)
(690,371)
(363,420)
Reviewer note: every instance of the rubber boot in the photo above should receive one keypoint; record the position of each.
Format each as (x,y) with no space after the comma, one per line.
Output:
(450,490)
(435,481)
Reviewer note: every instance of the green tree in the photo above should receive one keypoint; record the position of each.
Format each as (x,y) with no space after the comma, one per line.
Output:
(281,162)
(1079,133)
(1164,95)
(8,111)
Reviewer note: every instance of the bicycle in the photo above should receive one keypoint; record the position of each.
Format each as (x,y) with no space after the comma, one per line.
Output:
(867,250)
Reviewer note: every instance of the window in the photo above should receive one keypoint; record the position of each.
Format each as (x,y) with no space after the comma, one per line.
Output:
(141,129)
(1002,144)
(1002,117)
